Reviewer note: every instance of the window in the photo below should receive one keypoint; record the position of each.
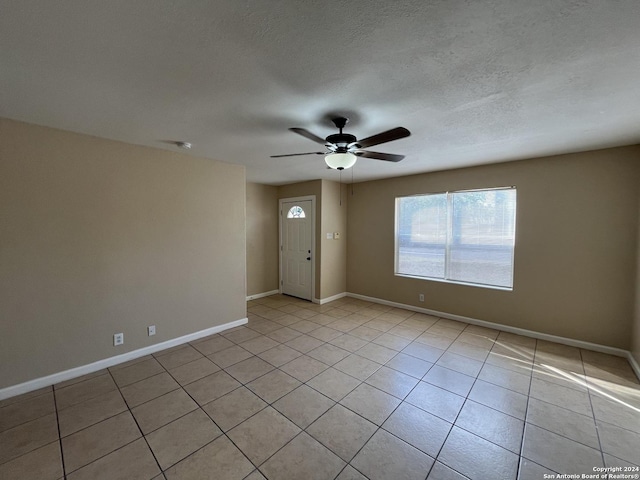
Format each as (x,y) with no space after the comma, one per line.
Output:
(296,212)
(465,237)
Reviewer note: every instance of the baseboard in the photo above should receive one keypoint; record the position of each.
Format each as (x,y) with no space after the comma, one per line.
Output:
(504,328)
(634,364)
(322,301)
(261,295)
(111,361)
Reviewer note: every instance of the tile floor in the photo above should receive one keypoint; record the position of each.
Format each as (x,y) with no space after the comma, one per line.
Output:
(348,390)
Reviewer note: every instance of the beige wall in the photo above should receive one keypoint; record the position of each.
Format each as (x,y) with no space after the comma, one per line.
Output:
(575,248)
(333,268)
(262,238)
(99,237)
(635,334)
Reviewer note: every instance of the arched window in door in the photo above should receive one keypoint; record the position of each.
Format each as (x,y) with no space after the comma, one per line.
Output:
(296,212)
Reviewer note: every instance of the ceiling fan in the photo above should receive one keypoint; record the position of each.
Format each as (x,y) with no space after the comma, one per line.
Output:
(344,149)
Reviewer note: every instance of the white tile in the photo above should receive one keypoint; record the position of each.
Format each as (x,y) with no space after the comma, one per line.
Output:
(436,401)
(303,458)
(498,398)
(558,453)
(451,380)
(492,425)
(567,423)
(386,457)
(373,404)
(477,458)
(418,428)
(342,431)
(620,442)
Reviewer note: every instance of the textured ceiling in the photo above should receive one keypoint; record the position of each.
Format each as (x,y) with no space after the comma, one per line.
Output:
(475,81)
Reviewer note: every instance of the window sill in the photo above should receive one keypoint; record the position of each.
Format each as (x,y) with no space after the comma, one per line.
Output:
(454,282)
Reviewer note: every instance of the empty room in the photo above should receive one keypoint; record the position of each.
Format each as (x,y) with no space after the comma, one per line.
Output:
(319,240)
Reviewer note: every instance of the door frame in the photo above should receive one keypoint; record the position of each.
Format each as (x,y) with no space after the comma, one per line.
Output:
(313,241)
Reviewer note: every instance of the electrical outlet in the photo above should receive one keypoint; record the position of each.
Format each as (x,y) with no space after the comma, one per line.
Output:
(118,339)
(151,330)
(421,297)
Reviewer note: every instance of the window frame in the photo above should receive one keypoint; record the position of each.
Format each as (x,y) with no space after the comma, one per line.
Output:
(449,214)
(291,215)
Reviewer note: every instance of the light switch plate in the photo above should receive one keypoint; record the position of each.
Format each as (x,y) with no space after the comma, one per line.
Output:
(329,236)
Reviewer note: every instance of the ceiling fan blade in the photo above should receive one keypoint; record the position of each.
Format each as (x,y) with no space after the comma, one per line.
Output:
(384,137)
(307,134)
(389,157)
(298,154)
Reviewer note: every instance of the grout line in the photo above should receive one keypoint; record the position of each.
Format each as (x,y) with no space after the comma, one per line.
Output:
(453,424)
(526,411)
(55,406)
(593,413)
(142,435)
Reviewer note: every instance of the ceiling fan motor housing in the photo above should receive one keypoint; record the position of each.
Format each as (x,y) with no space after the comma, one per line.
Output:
(341,139)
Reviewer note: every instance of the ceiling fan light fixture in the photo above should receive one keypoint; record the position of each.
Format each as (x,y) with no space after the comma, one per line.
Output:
(340,161)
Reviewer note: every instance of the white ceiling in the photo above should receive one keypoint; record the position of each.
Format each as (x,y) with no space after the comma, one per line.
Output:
(475,81)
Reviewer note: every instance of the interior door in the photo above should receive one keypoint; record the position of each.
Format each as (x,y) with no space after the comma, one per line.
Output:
(296,224)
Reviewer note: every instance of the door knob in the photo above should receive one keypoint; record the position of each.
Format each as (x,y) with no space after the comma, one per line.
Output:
(308,258)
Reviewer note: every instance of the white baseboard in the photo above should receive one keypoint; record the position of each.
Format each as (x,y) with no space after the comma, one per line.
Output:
(322,301)
(261,295)
(634,364)
(111,361)
(505,328)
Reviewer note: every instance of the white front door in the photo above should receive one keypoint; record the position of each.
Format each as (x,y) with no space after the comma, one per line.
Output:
(297,260)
